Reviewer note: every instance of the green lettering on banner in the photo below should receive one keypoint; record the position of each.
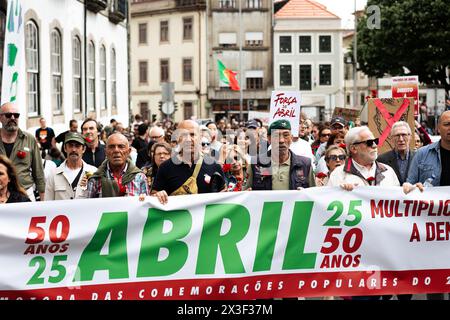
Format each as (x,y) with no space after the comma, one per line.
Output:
(295,256)
(116,261)
(153,239)
(211,239)
(267,237)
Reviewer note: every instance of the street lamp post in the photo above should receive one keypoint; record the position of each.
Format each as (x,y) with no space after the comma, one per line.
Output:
(355,62)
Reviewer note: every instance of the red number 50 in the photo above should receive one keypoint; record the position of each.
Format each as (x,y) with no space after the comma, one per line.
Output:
(36,233)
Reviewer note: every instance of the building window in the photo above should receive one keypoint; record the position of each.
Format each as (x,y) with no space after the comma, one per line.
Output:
(324,43)
(304,44)
(164,70)
(164,31)
(348,99)
(91,77)
(188,110)
(325,74)
(362,98)
(348,72)
(142,33)
(227,39)
(227,3)
(254,39)
(305,77)
(76,69)
(56,69)
(285,75)
(254,83)
(285,44)
(143,110)
(143,71)
(32,61)
(254,4)
(102,78)
(187,70)
(187,28)
(113,80)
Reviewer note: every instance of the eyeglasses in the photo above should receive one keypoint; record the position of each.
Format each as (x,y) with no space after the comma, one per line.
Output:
(325,135)
(155,137)
(10,114)
(335,157)
(205,144)
(230,159)
(369,142)
(401,135)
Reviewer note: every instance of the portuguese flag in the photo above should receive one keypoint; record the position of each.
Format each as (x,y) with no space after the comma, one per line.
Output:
(227,76)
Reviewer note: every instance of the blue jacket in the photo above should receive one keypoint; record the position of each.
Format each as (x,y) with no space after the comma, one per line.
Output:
(426,164)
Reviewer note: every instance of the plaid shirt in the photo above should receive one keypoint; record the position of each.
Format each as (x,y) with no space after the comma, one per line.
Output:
(136,187)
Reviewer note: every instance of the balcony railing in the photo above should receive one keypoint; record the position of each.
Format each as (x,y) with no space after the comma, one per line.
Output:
(118,11)
(96,5)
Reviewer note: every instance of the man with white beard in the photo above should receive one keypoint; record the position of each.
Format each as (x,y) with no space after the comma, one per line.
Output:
(361,167)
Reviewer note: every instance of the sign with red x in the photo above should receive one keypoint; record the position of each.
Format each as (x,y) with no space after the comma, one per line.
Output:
(383,113)
(407,87)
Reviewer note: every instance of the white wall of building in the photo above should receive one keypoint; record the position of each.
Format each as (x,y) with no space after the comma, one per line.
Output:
(175,50)
(324,95)
(69,16)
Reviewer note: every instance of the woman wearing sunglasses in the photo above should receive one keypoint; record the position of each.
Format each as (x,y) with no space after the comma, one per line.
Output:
(235,168)
(334,157)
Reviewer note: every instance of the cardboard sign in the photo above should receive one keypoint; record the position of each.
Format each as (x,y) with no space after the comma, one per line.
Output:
(407,87)
(383,113)
(286,105)
(346,113)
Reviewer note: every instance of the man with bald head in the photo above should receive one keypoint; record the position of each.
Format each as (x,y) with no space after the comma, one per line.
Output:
(22,149)
(117,176)
(188,171)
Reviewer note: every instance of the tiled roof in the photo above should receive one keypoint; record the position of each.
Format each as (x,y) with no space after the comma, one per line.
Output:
(305,9)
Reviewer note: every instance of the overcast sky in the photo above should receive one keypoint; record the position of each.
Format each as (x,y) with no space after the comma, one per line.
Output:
(344,9)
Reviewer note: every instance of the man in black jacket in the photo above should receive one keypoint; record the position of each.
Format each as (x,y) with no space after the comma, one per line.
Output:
(401,156)
(280,168)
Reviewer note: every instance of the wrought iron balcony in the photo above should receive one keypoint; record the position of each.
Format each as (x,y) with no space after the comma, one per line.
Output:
(96,5)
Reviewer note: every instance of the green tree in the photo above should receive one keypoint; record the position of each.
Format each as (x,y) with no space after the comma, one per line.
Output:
(413,33)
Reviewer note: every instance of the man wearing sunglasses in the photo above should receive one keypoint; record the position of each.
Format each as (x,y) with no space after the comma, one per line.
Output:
(400,157)
(22,149)
(361,168)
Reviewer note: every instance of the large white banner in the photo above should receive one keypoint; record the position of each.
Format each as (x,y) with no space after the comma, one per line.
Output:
(247,245)
(13,53)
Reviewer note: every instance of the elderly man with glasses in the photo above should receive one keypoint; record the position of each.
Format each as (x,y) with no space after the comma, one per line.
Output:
(401,156)
(361,167)
(23,150)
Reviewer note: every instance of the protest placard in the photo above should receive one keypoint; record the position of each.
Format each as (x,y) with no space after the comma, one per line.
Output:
(286,105)
(407,87)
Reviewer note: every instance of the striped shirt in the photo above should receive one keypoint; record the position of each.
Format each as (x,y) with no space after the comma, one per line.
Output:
(134,188)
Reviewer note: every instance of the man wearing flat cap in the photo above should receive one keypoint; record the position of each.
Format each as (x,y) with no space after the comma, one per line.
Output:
(280,168)
(64,181)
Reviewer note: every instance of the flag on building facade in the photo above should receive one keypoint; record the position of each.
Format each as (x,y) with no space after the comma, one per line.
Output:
(228,76)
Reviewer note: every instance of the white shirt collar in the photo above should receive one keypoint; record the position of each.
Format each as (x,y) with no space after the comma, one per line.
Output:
(366,173)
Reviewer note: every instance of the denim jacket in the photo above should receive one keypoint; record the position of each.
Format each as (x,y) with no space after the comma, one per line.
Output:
(426,164)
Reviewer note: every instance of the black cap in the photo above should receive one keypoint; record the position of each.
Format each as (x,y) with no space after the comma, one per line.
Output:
(338,120)
(253,124)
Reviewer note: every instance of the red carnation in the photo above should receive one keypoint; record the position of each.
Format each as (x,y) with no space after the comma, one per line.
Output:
(321,175)
(122,189)
(342,145)
(88,140)
(370,180)
(226,167)
(21,154)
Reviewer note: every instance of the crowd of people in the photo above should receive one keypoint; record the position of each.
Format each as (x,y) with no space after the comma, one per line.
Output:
(166,159)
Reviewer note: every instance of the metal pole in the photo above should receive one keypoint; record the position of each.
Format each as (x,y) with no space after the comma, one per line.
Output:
(355,63)
(241,98)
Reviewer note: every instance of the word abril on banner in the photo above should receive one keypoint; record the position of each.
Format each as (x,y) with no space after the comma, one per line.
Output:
(286,105)
(228,245)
